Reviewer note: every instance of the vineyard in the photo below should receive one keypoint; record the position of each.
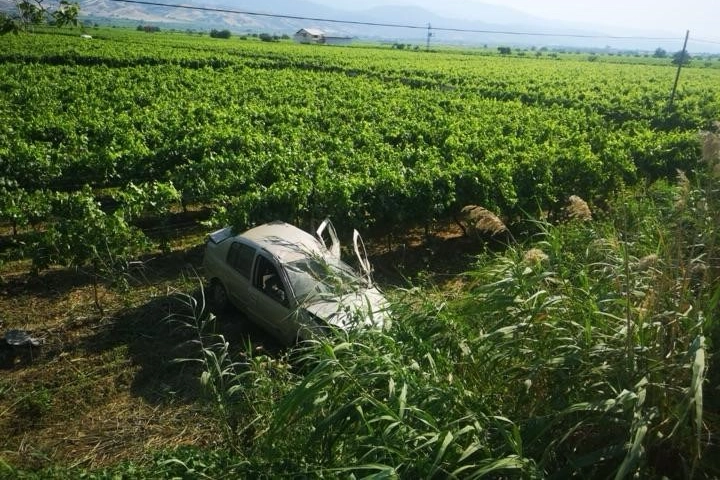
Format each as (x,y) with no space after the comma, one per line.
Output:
(370,137)
(113,148)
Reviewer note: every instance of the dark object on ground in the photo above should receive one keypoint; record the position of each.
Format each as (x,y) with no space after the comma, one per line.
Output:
(17,344)
(20,338)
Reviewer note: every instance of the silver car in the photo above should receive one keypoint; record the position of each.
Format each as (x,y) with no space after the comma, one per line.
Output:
(291,283)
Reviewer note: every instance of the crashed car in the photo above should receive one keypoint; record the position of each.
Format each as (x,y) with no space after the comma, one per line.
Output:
(292,284)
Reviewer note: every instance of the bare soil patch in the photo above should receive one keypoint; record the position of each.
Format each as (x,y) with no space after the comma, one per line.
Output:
(105,387)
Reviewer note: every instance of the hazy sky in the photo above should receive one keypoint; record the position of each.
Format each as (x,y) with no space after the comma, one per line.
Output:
(701,17)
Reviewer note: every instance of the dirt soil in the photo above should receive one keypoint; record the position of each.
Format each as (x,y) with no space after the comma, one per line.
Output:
(104,385)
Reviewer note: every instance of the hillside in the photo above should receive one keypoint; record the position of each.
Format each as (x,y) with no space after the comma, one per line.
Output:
(486,18)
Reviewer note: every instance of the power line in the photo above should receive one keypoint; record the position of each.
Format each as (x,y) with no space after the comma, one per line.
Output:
(704,40)
(393,25)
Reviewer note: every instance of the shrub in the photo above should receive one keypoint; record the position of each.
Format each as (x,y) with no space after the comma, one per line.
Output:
(220,33)
(266,37)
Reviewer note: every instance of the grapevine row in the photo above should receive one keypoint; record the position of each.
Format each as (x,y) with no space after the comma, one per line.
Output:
(368,136)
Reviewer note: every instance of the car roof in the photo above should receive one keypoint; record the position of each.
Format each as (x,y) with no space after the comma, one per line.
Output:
(286,242)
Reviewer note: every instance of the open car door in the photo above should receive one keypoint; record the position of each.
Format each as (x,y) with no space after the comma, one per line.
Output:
(326,227)
(361,254)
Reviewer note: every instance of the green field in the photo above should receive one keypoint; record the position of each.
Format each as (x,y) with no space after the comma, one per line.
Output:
(368,136)
(569,346)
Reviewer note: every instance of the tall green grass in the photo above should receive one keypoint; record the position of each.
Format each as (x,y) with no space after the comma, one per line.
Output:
(584,351)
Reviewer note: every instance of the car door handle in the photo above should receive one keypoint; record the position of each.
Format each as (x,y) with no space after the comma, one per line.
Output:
(252,296)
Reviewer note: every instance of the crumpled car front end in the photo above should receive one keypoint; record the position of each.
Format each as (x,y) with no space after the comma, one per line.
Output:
(366,308)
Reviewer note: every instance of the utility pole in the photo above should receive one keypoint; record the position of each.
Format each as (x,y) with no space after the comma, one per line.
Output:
(429,34)
(681,60)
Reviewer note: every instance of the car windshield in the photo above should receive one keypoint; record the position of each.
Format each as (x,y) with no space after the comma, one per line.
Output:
(312,276)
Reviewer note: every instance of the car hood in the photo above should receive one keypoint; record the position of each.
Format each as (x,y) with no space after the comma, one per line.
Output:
(367,307)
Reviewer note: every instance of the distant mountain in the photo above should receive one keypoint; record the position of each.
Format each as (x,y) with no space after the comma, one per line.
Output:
(463,10)
(483,17)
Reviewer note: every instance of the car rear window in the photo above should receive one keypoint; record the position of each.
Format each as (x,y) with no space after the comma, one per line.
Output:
(240,257)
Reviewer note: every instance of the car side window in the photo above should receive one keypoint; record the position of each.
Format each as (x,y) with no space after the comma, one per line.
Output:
(240,257)
(267,280)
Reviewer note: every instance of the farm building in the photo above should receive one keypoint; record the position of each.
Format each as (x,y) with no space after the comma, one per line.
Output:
(315,35)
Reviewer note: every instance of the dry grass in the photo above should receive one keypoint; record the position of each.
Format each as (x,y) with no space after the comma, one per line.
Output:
(123,429)
(535,256)
(578,209)
(683,191)
(481,220)
(711,153)
(647,262)
(101,388)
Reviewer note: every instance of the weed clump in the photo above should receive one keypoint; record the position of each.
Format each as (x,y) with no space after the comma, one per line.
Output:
(479,220)
(578,209)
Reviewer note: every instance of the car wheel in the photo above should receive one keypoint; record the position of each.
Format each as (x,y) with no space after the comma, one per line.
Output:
(219,301)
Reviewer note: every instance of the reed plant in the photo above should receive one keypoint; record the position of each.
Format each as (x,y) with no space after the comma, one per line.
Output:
(585,351)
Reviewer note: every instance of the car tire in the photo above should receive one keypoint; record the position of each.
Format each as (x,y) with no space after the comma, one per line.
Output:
(219,301)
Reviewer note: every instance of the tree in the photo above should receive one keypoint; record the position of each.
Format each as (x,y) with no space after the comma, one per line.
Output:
(8,24)
(660,53)
(504,50)
(681,58)
(266,37)
(220,33)
(36,12)
(66,14)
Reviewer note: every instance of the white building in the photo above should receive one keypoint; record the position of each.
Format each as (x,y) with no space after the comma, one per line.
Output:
(315,35)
